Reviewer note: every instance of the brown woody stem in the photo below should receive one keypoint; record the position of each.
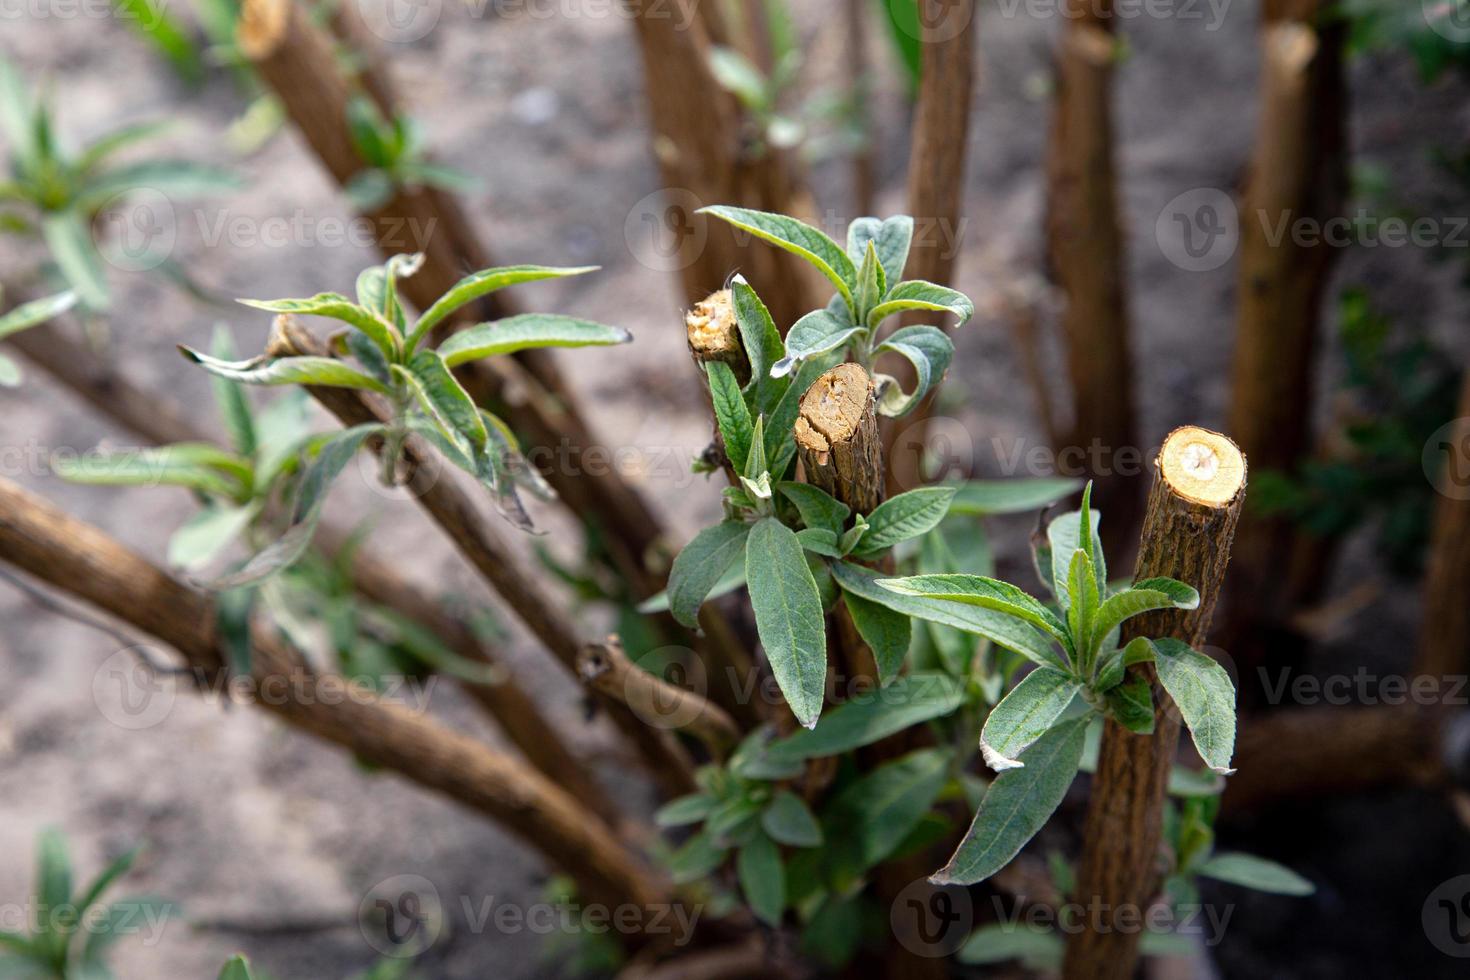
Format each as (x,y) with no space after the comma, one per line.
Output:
(605,667)
(471,533)
(837,437)
(80,559)
(1188,527)
(1444,637)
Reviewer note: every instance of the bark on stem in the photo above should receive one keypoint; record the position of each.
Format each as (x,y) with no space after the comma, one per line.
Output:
(80,559)
(701,146)
(936,180)
(1193,508)
(1297,174)
(1444,637)
(296,60)
(607,669)
(1085,255)
(468,529)
(156,420)
(837,438)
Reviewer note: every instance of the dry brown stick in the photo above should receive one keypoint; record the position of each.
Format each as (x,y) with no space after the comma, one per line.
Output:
(1444,636)
(459,518)
(296,59)
(1297,174)
(699,146)
(158,421)
(750,959)
(935,192)
(1085,250)
(606,668)
(1193,508)
(80,559)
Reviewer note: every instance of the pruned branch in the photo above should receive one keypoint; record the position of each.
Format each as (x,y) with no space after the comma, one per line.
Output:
(837,437)
(458,516)
(607,669)
(1188,528)
(82,560)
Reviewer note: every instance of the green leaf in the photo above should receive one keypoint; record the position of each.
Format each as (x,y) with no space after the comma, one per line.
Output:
(1062,535)
(797,238)
(207,533)
(1017,805)
(10,375)
(1082,587)
(482,283)
(525,332)
(762,878)
(788,616)
(195,466)
(684,810)
(929,350)
(761,340)
(737,75)
(332,457)
(36,312)
(871,817)
(906,516)
(1025,714)
(888,633)
(818,508)
(175,178)
(69,238)
(916,294)
(1111,671)
(1255,872)
(978,590)
(1158,593)
(100,149)
(699,855)
(447,400)
(892,239)
(910,700)
(1205,696)
(870,284)
(323,371)
(338,307)
(731,413)
(1000,628)
(16,115)
(703,563)
(754,471)
(815,333)
(238,968)
(53,870)
(1132,705)
(788,821)
(119,867)
(230,396)
(281,428)
(123,917)
(1037,947)
(988,497)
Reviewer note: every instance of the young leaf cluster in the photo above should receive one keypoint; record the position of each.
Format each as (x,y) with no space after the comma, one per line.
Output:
(57,195)
(73,929)
(394,157)
(394,357)
(1035,736)
(868,278)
